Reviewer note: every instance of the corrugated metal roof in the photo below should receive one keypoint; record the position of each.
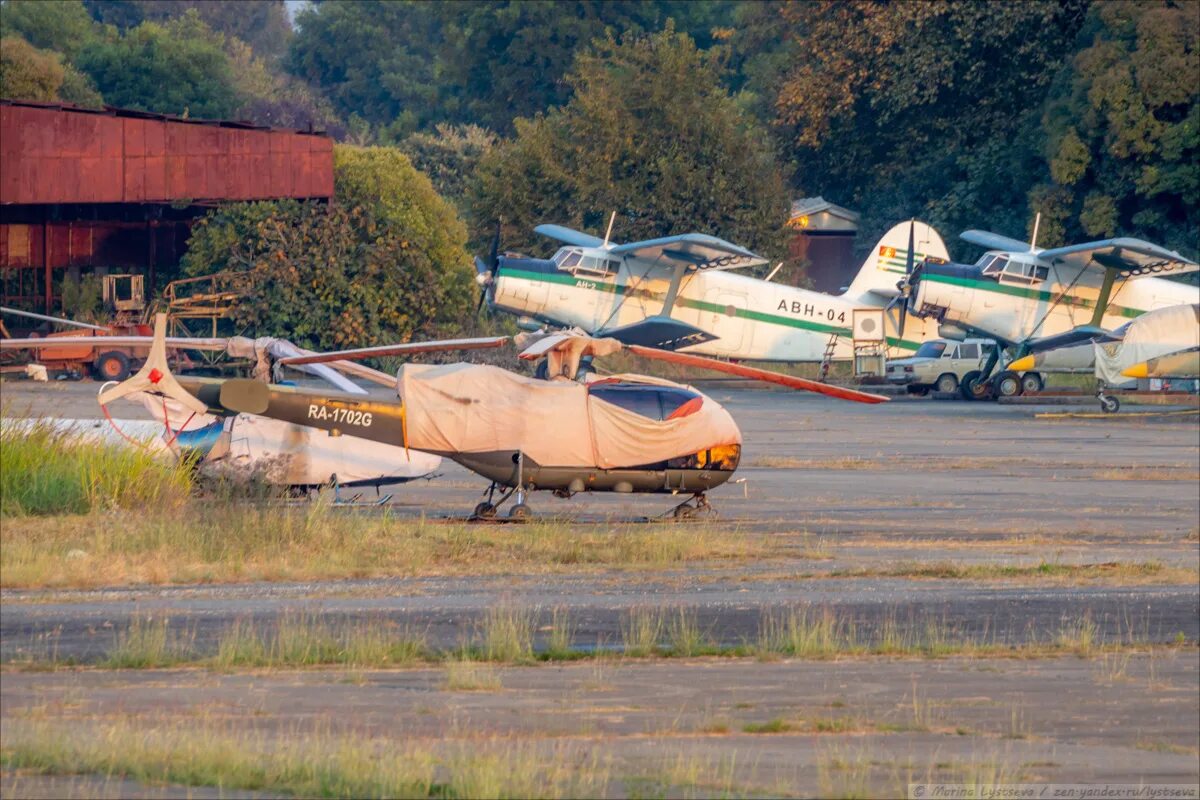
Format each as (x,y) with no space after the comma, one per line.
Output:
(134,113)
(52,153)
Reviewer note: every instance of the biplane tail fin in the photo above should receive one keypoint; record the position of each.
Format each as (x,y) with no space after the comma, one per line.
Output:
(885,264)
(155,376)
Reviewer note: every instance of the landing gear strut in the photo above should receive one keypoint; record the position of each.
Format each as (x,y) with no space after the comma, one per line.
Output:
(489,508)
(1108,404)
(690,509)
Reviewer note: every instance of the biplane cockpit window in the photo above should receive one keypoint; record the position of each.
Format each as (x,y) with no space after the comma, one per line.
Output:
(652,402)
(993,265)
(567,258)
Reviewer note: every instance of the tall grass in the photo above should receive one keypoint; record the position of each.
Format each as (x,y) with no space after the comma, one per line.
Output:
(46,470)
(223,539)
(301,639)
(302,764)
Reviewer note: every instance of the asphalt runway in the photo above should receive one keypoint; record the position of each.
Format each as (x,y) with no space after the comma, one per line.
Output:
(911,482)
(853,496)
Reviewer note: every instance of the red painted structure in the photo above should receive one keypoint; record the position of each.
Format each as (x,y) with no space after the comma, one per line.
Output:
(118,189)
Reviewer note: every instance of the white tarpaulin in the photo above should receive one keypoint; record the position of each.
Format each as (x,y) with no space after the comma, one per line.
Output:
(468,408)
(1153,334)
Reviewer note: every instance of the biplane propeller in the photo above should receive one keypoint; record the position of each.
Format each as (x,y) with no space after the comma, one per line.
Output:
(626,433)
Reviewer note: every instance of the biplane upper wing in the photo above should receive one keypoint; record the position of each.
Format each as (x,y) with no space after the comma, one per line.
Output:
(567,235)
(698,250)
(1131,258)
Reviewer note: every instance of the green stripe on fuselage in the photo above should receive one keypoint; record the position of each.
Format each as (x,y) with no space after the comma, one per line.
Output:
(699,305)
(1031,294)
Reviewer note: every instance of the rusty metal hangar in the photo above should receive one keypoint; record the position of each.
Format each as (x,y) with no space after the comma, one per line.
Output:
(117,190)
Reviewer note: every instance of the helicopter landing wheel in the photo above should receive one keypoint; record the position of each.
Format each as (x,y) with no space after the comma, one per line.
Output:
(686,509)
(1109,405)
(519,511)
(484,511)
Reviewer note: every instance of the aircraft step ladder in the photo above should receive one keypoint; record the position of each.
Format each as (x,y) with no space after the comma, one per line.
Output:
(827,359)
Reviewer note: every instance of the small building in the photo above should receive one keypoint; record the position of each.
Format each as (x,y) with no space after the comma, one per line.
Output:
(116,190)
(824,237)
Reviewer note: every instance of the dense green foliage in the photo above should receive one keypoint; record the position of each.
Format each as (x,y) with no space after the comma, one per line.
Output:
(650,133)
(968,114)
(404,64)
(32,74)
(1122,128)
(262,24)
(178,67)
(384,263)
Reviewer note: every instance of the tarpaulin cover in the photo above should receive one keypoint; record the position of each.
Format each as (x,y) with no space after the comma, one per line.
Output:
(469,408)
(1153,334)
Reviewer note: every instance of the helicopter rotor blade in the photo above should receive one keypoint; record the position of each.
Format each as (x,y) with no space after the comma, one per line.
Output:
(754,373)
(481,343)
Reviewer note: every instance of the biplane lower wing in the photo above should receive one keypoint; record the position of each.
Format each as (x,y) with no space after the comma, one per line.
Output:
(664,333)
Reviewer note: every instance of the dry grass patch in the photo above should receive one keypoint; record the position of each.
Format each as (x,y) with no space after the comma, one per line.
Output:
(1111,572)
(301,764)
(207,542)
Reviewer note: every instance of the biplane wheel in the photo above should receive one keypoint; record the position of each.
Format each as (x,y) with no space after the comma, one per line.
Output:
(484,511)
(112,366)
(1031,383)
(1109,405)
(1008,384)
(519,511)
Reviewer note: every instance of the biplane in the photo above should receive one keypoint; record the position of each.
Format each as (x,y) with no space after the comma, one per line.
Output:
(1030,299)
(622,433)
(685,292)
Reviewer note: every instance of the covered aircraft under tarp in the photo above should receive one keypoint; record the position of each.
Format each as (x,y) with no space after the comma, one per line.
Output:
(1155,334)
(467,408)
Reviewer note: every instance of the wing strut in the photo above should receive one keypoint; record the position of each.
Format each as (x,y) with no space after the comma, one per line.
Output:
(1110,275)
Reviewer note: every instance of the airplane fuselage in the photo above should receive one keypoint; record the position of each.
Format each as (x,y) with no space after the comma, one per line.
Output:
(750,318)
(1001,302)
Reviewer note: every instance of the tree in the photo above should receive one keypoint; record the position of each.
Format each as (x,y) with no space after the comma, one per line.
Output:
(410,65)
(449,157)
(269,97)
(173,68)
(263,24)
(27,73)
(930,109)
(373,59)
(503,60)
(64,26)
(384,263)
(1123,128)
(649,132)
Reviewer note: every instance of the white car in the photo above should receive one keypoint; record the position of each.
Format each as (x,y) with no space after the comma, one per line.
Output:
(941,365)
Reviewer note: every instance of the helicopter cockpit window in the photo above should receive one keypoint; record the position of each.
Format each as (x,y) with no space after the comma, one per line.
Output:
(653,402)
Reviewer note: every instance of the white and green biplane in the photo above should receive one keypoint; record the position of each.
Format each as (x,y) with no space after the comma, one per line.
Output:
(1032,300)
(686,292)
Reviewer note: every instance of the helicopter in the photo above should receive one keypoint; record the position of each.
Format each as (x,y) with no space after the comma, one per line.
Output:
(624,433)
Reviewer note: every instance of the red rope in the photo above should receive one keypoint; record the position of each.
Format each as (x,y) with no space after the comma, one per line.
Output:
(117,428)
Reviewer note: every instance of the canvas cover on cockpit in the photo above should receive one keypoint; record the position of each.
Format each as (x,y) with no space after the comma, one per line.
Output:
(471,408)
